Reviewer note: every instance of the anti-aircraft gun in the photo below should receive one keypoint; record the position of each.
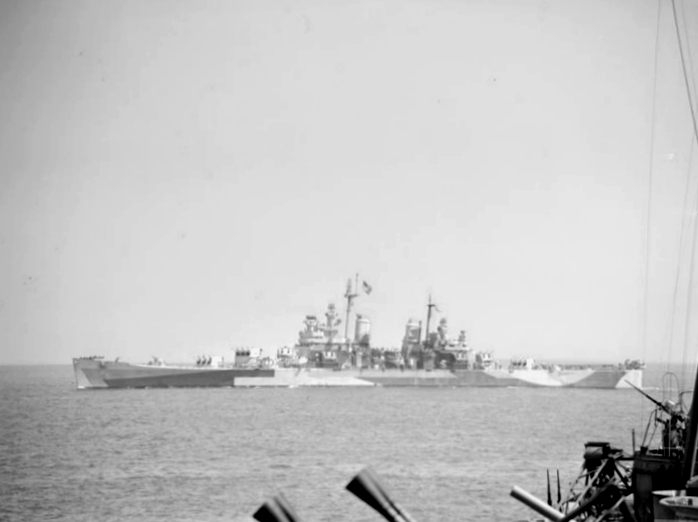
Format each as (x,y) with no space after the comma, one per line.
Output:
(662,466)
(614,486)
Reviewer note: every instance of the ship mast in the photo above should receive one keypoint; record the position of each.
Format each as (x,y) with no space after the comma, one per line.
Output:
(430,305)
(350,295)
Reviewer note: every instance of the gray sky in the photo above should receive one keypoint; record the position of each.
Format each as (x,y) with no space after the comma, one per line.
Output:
(179,175)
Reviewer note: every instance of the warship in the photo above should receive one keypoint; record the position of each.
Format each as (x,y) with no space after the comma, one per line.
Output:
(322,356)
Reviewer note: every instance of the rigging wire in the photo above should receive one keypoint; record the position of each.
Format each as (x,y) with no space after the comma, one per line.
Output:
(682,243)
(649,189)
(689,293)
(685,213)
(695,135)
(684,360)
(649,196)
(685,73)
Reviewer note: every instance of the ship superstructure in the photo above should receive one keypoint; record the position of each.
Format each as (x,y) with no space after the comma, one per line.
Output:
(438,350)
(325,357)
(320,344)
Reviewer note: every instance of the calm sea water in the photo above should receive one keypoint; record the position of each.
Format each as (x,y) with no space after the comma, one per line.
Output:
(217,454)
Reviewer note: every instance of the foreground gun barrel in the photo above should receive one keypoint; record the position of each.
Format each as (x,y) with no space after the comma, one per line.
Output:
(276,509)
(536,504)
(368,488)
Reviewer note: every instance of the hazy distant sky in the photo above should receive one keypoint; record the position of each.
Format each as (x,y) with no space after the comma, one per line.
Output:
(180,176)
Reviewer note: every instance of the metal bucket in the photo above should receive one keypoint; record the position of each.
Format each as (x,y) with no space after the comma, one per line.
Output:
(660,511)
(684,507)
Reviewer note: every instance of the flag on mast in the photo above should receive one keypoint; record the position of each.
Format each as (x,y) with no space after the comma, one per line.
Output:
(367,288)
